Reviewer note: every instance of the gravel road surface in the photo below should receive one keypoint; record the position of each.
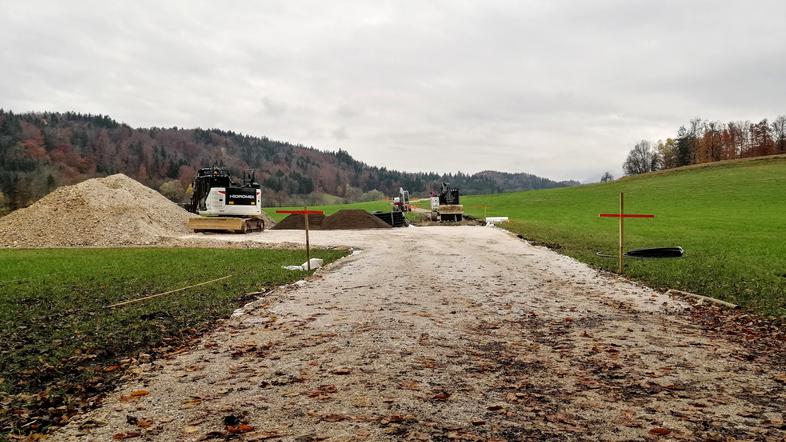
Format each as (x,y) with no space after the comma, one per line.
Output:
(449,333)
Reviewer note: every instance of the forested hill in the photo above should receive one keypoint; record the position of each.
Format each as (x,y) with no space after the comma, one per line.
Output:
(40,151)
(511,182)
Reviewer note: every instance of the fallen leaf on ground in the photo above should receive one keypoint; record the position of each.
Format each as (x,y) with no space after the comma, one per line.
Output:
(323,391)
(660,431)
(134,395)
(239,428)
(126,435)
(396,418)
(441,396)
(334,417)
(193,402)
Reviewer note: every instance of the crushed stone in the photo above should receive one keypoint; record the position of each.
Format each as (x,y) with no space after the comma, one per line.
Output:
(100,212)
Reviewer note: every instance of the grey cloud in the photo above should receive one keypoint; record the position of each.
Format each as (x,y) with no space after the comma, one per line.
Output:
(557,88)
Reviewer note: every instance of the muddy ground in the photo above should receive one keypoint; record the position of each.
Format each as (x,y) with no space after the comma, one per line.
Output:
(450,333)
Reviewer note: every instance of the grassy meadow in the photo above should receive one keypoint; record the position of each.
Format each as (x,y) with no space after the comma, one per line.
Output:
(729,217)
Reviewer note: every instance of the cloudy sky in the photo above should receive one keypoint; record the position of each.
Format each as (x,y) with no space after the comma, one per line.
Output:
(557,88)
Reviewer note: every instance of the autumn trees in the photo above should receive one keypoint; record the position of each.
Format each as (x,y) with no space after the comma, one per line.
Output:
(702,141)
(39,151)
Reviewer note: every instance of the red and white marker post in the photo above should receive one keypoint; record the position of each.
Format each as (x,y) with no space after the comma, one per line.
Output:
(305,213)
(622,215)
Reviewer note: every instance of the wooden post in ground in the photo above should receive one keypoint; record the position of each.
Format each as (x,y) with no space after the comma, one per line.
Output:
(622,234)
(622,217)
(308,250)
(305,213)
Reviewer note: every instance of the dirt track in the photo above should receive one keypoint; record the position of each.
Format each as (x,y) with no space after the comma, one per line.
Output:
(451,333)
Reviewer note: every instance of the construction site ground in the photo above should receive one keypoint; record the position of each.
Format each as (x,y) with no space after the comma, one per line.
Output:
(451,333)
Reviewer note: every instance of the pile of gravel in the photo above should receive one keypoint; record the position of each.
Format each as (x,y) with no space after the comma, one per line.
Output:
(103,212)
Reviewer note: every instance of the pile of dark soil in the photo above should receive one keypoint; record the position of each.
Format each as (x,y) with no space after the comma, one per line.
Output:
(353,219)
(298,222)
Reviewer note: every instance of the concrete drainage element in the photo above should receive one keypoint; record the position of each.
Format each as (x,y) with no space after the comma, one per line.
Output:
(492,220)
(315,264)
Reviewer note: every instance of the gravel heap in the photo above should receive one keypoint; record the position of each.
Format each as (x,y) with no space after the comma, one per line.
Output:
(104,212)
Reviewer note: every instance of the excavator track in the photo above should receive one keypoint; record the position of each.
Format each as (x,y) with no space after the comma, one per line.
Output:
(226,224)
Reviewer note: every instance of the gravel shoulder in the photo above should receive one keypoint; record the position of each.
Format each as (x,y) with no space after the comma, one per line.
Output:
(449,333)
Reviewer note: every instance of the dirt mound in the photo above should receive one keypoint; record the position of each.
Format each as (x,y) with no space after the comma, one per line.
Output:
(297,222)
(353,219)
(111,211)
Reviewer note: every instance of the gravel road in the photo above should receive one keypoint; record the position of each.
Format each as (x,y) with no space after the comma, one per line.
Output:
(449,333)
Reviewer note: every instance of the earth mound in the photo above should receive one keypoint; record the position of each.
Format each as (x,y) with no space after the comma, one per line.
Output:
(298,222)
(353,219)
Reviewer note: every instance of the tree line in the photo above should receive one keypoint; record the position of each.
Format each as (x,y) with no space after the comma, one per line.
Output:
(704,141)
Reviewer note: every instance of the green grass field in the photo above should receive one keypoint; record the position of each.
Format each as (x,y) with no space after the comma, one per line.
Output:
(729,217)
(370,206)
(56,330)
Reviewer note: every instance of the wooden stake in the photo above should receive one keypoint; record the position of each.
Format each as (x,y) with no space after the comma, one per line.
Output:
(622,234)
(308,250)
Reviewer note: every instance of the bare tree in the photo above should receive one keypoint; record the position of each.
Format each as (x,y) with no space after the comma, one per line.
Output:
(779,133)
(642,158)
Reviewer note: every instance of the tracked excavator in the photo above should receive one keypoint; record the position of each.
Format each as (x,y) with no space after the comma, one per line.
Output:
(447,205)
(224,205)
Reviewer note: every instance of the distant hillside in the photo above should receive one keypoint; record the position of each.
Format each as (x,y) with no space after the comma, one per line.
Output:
(40,151)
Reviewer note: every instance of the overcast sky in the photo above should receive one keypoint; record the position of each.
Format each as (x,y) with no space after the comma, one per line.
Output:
(556,88)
